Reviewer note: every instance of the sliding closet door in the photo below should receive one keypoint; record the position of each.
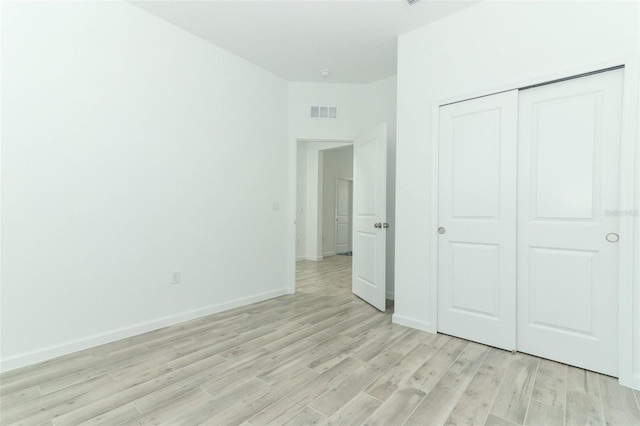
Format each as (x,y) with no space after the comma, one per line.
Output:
(477,219)
(569,137)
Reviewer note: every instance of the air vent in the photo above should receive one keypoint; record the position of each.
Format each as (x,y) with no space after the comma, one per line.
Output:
(412,1)
(318,111)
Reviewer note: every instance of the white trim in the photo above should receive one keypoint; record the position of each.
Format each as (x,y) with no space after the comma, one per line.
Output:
(44,354)
(628,284)
(628,180)
(413,323)
(329,253)
(433,258)
(390,295)
(310,258)
(517,85)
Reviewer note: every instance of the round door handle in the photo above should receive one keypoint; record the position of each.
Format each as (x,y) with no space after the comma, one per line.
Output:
(377,225)
(613,237)
(441,230)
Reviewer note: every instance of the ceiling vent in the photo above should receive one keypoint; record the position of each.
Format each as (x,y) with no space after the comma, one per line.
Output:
(412,1)
(317,111)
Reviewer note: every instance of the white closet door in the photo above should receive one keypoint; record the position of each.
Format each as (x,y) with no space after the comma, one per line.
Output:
(569,137)
(477,219)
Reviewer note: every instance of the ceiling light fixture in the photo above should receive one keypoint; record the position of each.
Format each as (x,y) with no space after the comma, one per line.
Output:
(324,73)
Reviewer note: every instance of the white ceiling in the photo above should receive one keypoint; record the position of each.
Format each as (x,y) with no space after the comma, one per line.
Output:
(295,39)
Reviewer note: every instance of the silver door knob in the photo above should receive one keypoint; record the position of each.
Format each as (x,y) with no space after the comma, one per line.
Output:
(441,230)
(613,237)
(385,225)
(377,225)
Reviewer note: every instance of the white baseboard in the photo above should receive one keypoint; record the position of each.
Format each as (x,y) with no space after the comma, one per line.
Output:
(413,323)
(314,259)
(329,253)
(50,352)
(632,381)
(390,295)
(300,258)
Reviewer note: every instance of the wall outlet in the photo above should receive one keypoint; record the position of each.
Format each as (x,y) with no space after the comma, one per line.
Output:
(175,278)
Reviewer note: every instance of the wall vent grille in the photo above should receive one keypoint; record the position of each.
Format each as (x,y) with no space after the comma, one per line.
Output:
(317,111)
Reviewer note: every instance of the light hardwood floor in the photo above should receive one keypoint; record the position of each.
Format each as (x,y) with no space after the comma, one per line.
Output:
(321,356)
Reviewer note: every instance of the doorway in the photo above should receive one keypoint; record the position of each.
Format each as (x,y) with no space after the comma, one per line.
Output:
(319,165)
(369,209)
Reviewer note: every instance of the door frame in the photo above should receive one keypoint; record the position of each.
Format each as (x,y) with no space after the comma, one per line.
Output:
(628,373)
(335,227)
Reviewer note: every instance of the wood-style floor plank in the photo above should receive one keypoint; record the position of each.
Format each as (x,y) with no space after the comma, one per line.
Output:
(430,373)
(619,403)
(584,406)
(397,407)
(551,383)
(493,420)
(282,410)
(398,374)
(307,416)
(438,404)
(356,411)
(513,397)
(116,416)
(320,356)
(475,403)
(540,414)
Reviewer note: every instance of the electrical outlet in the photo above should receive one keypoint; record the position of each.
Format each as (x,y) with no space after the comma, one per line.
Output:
(175,278)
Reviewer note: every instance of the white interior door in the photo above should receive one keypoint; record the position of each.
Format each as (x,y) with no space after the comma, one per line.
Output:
(568,180)
(343,215)
(369,216)
(477,219)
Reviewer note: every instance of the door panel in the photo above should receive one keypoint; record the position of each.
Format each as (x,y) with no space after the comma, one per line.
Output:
(473,269)
(476,169)
(569,137)
(564,138)
(477,201)
(369,208)
(548,271)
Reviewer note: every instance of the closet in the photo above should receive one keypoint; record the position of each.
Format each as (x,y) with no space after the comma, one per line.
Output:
(527,245)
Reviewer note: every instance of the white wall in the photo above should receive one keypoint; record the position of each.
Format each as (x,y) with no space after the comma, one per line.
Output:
(485,48)
(360,108)
(335,163)
(126,155)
